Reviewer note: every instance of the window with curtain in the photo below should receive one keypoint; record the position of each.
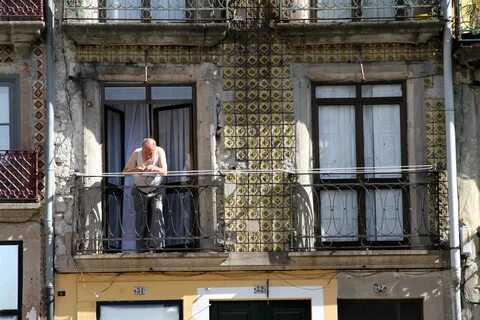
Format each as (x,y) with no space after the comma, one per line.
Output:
(11,280)
(359,137)
(143,10)
(341,10)
(131,114)
(9,117)
(145,310)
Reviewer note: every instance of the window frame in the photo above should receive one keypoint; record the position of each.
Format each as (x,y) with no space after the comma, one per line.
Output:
(14,124)
(169,104)
(358,102)
(178,303)
(16,312)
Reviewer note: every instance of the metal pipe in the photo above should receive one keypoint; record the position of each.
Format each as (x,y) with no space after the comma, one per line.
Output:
(50,174)
(451,161)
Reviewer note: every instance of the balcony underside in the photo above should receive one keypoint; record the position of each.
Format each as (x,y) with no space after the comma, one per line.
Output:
(20,32)
(234,261)
(187,34)
(359,32)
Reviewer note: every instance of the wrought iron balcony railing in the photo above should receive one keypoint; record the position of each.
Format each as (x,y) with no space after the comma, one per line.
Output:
(367,209)
(112,215)
(18,176)
(173,11)
(327,11)
(289,212)
(468,20)
(21,10)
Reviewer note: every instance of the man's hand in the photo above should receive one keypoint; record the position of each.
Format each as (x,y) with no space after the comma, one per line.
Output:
(136,169)
(152,168)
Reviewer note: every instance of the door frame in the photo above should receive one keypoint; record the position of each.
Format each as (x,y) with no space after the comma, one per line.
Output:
(200,308)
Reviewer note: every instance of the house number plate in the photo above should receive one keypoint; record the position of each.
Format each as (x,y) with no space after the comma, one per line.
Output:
(139,291)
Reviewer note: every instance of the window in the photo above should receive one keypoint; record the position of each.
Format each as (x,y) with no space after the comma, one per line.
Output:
(334,10)
(9,117)
(161,10)
(11,280)
(166,113)
(360,147)
(146,310)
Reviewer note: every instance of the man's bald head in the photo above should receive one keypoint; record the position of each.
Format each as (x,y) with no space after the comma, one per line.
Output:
(148,148)
(149,142)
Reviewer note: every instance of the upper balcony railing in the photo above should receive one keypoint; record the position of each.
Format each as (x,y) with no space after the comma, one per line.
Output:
(144,11)
(11,10)
(303,212)
(18,176)
(328,11)
(468,20)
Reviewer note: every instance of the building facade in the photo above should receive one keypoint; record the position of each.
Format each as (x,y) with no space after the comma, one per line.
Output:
(306,152)
(467,102)
(22,135)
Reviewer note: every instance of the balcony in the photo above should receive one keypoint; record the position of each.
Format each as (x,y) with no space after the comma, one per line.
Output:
(21,10)
(20,21)
(210,222)
(359,21)
(18,176)
(468,22)
(152,22)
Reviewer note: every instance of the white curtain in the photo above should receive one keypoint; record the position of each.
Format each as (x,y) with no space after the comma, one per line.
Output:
(384,215)
(174,136)
(137,127)
(339,214)
(378,9)
(124,9)
(381,130)
(332,10)
(168,10)
(336,125)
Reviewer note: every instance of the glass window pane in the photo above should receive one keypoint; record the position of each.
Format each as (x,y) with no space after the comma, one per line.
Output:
(339,212)
(125,93)
(384,214)
(171,93)
(8,317)
(334,10)
(124,9)
(4,104)
(9,278)
(335,92)
(174,135)
(382,90)
(4,137)
(140,311)
(381,136)
(336,126)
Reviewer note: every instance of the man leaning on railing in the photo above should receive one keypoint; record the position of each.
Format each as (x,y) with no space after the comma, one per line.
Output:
(148,164)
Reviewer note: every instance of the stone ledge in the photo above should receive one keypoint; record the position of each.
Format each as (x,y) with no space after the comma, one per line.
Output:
(251,261)
(185,34)
(20,32)
(359,32)
(18,212)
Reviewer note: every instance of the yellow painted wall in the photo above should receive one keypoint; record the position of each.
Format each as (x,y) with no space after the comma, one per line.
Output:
(82,292)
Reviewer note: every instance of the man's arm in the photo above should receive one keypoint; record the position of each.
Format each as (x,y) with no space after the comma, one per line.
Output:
(131,165)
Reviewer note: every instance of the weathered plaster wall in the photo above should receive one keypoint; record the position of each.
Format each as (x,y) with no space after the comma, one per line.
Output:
(431,286)
(467,121)
(22,221)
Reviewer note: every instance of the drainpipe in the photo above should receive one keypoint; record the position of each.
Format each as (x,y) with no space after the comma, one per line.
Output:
(50,174)
(451,162)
